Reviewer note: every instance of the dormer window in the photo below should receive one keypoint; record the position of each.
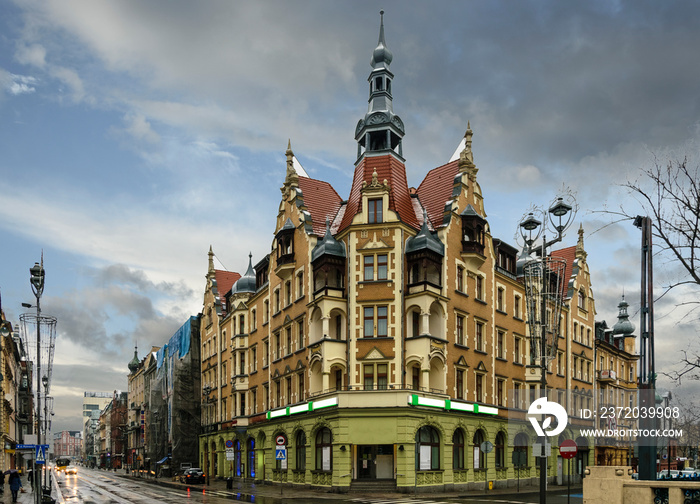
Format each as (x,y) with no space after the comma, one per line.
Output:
(473,231)
(375,211)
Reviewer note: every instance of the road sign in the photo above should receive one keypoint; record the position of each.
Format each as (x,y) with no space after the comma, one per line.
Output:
(568,449)
(229,443)
(40,457)
(25,447)
(486,447)
(280,439)
(537,449)
(280,453)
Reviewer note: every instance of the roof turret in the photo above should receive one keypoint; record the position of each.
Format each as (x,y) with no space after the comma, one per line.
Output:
(328,246)
(247,282)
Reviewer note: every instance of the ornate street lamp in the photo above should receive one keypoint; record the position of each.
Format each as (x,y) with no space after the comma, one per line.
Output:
(36,279)
(545,286)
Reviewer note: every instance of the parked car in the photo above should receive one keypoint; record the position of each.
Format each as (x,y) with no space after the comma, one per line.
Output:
(71,470)
(193,475)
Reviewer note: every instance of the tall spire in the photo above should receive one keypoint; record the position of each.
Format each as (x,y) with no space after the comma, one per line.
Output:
(380,131)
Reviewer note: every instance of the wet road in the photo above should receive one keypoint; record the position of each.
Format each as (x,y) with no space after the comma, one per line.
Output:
(101,487)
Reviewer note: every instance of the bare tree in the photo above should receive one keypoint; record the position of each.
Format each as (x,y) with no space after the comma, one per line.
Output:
(670,195)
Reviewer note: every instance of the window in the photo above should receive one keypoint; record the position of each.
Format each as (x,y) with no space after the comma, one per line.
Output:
(289,340)
(415,377)
(372,376)
(369,268)
(253,319)
(500,342)
(278,346)
(368,322)
(368,376)
(415,322)
(382,328)
(479,288)
(516,307)
(479,337)
(460,330)
(500,450)
(288,293)
(516,350)
(517,396)
(338,379)
(458,449)
(460,384)
(242,369)
(500,397)
(382,265)
(500,306)
(277,300)
(242,403)
(254,400)
(300,448)
(300,387)
(324,456)
(288,381)
(381,322)
(479,388)
(300,334)
(374,211)
(428,452)
(251,458)
(254,359)
(267,311)
(241,324)
(581,300)
(460,278)
(300,284)
(479,456)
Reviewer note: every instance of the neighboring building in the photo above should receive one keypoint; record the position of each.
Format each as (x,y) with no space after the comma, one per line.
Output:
(118,430)
(616,385)
(136,420)
(384,337)
(16,397)
(172,401)
(93,403)
(91,439)
(68,444)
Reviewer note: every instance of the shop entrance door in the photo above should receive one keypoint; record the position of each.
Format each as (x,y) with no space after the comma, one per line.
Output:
(375,462)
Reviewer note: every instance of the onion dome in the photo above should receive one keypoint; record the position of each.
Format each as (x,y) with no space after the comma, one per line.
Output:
(134,363)
(247,282)
(382,56)
(328,246)
(425,240)
(623,327)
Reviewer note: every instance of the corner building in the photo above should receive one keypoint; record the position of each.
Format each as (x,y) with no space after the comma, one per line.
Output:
(378,343)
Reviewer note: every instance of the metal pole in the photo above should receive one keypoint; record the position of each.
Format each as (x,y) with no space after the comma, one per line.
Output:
(568,498)
(543,363)
(38,490)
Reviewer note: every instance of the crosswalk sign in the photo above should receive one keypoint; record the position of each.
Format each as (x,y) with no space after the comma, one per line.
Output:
(40,457)
(280,453)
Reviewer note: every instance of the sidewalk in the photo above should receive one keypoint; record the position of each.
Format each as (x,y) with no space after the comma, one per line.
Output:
(289,491)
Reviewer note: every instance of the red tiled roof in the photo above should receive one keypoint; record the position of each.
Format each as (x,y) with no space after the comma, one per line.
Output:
(569,255)
(225,280)
(394,171)
(321,200)
(436,189)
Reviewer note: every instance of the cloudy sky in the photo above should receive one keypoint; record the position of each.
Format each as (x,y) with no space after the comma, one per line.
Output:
(134,135)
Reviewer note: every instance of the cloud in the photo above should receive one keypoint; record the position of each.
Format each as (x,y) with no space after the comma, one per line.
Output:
(17,84)
(34,54)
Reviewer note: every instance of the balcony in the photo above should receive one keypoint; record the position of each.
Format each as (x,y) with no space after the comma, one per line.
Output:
(285,265)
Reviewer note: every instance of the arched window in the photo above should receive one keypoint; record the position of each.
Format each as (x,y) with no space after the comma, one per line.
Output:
(520,450)
(300,447)
(428,449)
(500,450)
(479,455)
(324,453)
(458,449)
(251,458)
(237,457)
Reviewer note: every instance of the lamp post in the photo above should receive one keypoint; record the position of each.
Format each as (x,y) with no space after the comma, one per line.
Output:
(544,289)
(45,382)
(37,277)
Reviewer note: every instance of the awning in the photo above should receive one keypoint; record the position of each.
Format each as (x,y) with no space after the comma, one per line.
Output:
(164,459)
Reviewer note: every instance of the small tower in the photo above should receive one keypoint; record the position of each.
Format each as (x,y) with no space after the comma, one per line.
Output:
(380,131)
(134,363)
